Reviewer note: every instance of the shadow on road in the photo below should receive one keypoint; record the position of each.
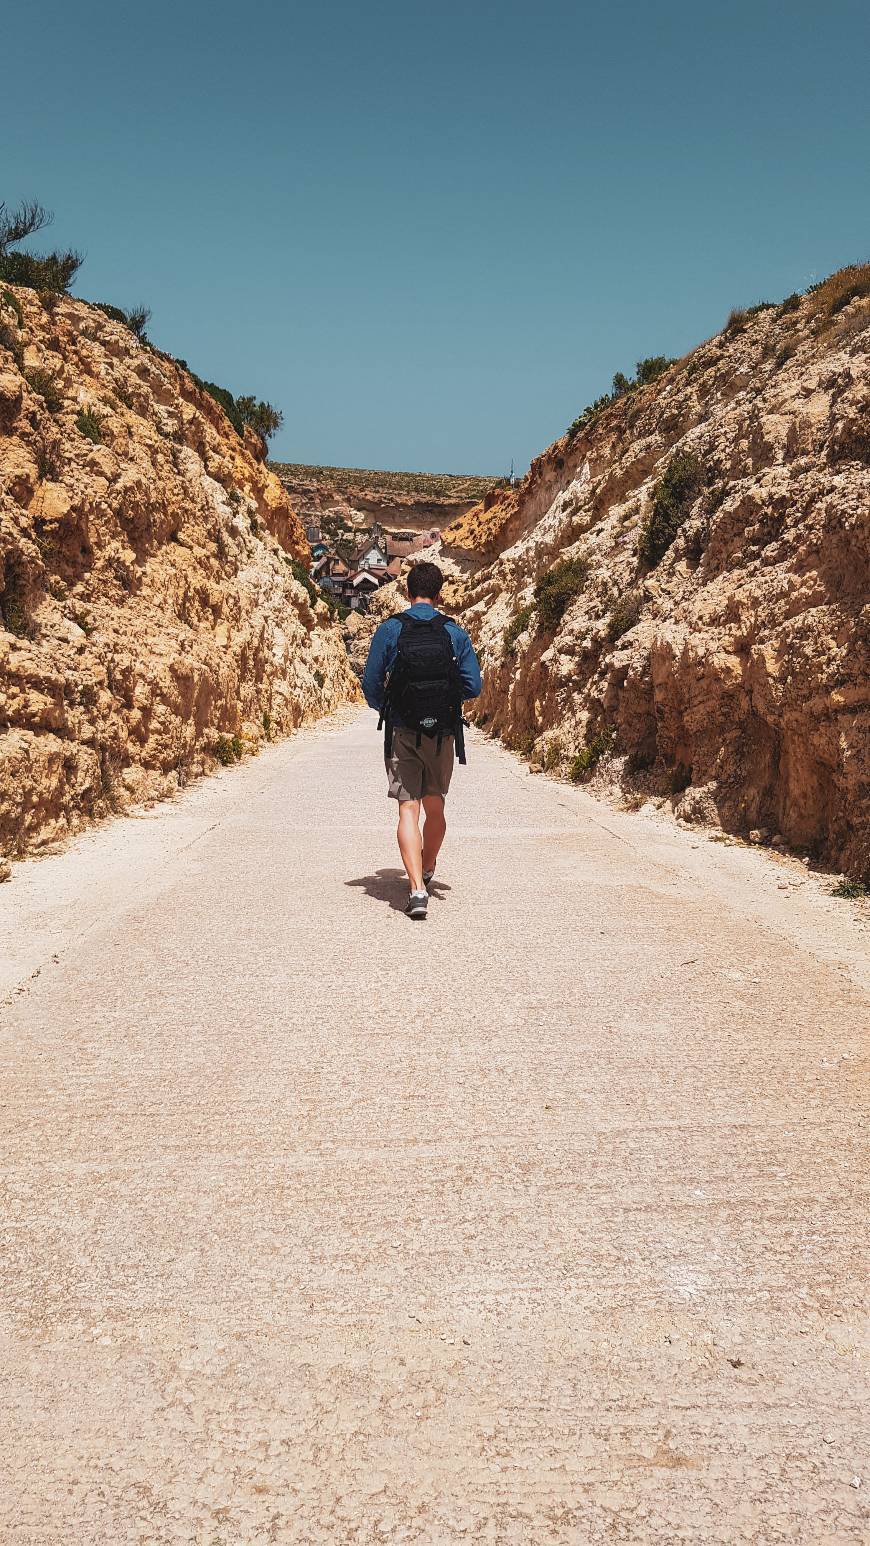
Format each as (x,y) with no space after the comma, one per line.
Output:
(391,886)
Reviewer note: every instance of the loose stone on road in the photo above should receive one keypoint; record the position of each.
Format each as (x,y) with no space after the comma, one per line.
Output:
(540,1222)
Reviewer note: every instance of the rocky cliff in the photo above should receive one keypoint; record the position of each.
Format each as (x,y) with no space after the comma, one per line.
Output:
(675,600)
(154,612)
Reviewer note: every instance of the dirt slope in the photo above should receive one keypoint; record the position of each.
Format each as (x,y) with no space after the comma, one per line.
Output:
(732,673)
(150,620)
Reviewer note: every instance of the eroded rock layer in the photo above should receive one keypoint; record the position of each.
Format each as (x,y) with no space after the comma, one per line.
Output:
(151,622)
(733,671)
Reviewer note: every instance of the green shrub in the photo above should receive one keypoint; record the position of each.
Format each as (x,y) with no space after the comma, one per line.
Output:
(517,625)
(262,417)
(552,755)
(13,600)
(791,303)
(715,497)
(10,340)
(678,486)
(51,272)
(267,725)
(646,372)
(624,614)
(651,368)
(228,749)
(583,765)
(49,462)
(47,386)
(136,320)
(556,589)
(12,304)
(851,889)
(90,424)
(523,742)
(300,573)
(226,401)
(113,312)
(589,414)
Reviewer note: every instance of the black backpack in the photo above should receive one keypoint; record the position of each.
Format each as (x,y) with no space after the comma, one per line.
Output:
(424,686)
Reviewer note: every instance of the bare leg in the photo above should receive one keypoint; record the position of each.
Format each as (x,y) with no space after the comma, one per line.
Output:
(434,829)
(410,842)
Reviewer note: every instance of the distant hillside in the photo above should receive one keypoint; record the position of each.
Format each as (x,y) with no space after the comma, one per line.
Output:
(451,487)
(345,500)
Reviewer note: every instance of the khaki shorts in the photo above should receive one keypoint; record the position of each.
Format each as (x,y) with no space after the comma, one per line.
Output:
(413,770)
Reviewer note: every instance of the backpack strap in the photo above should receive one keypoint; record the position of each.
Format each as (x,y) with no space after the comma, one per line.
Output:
(385,718)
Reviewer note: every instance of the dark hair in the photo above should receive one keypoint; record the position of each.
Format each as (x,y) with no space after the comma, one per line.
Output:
(425,580)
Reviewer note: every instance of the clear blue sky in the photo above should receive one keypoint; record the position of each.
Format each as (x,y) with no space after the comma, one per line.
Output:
(431,232)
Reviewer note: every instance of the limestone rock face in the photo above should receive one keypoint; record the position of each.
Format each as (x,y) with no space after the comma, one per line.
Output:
(733,674)
(150,620)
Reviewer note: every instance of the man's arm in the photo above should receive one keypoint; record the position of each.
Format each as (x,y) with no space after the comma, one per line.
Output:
(378,664)
(469,668)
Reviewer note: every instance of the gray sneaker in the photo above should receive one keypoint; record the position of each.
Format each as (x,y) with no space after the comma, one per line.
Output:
(427,877)
(418,901)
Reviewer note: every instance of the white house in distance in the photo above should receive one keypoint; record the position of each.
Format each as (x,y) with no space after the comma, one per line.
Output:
(374,556)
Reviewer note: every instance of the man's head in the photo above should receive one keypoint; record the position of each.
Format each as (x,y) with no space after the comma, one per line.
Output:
(425,582)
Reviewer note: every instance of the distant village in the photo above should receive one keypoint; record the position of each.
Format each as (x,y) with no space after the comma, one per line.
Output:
(377,561)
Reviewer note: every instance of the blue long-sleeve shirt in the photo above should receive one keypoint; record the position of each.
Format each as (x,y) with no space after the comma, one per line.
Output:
(383,653)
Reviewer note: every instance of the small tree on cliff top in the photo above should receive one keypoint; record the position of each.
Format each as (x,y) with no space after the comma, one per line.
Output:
(262,417)
(53,271)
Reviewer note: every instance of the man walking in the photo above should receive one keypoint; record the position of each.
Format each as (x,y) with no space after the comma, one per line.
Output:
(421,667)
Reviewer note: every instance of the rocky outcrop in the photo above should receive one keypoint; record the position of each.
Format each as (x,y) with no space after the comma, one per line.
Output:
(154,612)
(676,598)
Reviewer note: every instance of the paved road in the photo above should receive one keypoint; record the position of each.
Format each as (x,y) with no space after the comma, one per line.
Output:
(537,1223)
